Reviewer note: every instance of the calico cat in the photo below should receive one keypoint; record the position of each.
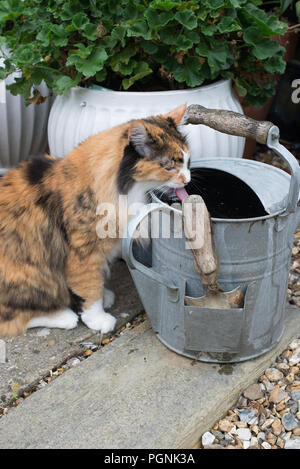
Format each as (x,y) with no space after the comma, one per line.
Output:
(51,258)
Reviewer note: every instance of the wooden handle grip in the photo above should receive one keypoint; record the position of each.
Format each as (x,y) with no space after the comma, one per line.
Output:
(197,230)
(228,122)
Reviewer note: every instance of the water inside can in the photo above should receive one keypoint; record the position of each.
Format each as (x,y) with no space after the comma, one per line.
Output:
(225,195)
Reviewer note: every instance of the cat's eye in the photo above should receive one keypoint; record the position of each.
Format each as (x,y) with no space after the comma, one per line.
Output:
(169,165)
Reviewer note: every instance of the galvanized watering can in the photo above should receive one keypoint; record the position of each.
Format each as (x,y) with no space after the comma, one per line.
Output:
(253,253)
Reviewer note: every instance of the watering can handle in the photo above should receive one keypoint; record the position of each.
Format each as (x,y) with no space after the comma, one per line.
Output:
(263,132)
(127,244)
(228,122)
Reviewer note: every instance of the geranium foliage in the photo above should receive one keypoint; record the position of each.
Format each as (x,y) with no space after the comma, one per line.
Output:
(136,44)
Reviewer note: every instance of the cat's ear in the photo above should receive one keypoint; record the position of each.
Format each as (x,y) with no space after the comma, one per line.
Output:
(176,114)
(139,138)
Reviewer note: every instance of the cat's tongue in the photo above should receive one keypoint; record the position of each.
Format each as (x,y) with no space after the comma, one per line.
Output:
(181,193)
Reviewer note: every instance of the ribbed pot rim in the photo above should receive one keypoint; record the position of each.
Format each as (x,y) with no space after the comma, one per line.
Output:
(225,82)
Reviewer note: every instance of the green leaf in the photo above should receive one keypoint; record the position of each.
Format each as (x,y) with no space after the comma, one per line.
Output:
(228,24)
(263,48)
(10,10)
(90,31)
(3,73)
(141,70)
(88,66)
(20,86)
(26,54)
(187,18)
(59,37)
(298,10)
(69,10)
(80,20)
(149,47)
(100,76)
(119,33)
(123,58)
(157,20)
(139,29)
(219,55)
(208,29)
(275,64)
(189,72)
(63,84)
(267,25)
(242,91)
(164,4)
(284,4)
(214,4)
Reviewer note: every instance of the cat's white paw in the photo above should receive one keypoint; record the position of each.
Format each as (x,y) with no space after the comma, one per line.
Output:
(108,298)
(97,319)
(65,319)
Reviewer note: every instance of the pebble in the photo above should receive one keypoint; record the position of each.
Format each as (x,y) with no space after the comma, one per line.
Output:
(273,374)
(253,392)
(246,444)
(293,443)
(242,424)
(295,344)
(225,425)
(229,437)
(218,435)
(244,433)
(207,439)
(246,415)
(73,362)
(267,424)
(43,332)
(271,438)
(295,358)
(277,395)
(277,427)
(254,442)
(261,436)
(296,396)
(289,421)
(266,445)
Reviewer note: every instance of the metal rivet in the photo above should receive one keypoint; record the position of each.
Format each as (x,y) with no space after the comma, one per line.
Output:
(83,104)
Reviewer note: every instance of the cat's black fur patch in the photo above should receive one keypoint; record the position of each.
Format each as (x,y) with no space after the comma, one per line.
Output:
(31,299)
(126,169)
(51,203)
(37,167)
(76,302)
(17,212)
(85,200)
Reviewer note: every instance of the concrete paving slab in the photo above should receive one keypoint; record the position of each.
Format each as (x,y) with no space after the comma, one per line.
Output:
(134,393)
(31,356)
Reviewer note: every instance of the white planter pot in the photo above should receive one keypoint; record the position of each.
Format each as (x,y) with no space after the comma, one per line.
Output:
(23,130)
(83,112)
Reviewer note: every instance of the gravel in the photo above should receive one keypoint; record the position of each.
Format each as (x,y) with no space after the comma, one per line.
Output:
(267,414)
(269,410)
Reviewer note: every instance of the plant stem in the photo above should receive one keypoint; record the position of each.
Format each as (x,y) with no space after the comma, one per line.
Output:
(293,27)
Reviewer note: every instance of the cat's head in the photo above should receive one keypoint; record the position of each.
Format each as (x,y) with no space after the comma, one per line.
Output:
(156,153)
